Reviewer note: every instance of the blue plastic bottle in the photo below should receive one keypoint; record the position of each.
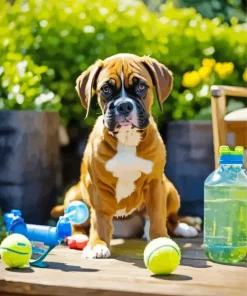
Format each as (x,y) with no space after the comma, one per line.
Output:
(225,209)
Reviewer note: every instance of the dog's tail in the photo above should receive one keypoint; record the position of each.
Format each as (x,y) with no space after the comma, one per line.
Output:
(74,193)
(57,211)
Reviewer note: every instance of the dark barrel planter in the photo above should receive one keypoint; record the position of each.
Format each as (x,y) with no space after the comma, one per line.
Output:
(29,163)
(71,155)
(190,159)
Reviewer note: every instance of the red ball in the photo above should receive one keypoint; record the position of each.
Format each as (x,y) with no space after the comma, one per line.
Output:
(77,242)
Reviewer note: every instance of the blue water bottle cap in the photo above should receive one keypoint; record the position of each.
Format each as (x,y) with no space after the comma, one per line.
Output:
(16,212)
(234,156)
(18,226)
(77,212)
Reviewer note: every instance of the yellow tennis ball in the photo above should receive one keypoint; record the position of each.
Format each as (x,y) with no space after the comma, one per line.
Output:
(16,250)
(162,256)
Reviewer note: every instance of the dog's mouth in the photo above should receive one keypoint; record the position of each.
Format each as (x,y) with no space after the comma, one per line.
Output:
(126,114)
(140,124)
(125,122)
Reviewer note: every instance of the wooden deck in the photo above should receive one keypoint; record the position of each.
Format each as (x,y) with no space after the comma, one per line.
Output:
(125,274)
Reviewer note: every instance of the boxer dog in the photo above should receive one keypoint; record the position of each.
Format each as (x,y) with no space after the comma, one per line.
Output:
(123,164)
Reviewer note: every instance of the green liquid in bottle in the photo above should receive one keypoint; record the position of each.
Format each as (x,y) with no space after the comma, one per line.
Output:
(225,223)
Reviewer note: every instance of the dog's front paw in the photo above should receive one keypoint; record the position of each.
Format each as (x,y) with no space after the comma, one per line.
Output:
(98,251)
(185,230)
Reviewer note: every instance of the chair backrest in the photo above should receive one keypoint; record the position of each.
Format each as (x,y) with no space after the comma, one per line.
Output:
(218,108)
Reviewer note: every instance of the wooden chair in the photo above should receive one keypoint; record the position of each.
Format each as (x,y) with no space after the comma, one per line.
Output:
(222,123)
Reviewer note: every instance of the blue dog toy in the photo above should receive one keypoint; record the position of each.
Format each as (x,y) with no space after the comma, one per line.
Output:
(41,236)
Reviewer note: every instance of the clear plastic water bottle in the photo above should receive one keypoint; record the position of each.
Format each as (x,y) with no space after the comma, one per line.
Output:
(225,209)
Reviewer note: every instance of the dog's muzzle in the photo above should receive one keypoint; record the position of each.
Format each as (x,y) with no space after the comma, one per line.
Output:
(125,112)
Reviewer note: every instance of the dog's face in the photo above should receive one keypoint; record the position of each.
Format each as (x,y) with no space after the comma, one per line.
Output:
(124,87)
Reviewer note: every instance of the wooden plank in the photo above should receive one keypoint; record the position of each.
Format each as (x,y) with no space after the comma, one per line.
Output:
(134,248)
(218,108)
(125,274)
(239,130)
(189,279)
(234,91)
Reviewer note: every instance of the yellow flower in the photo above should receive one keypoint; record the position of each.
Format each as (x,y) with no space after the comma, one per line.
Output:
(191,79)
(209,63)
(218,68)
(229,67)
(224,69)
(204,72)
(245,75)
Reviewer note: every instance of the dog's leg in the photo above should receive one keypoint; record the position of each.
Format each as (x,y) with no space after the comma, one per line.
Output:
(78,229)
(100,236)
(174,224)
(172,205)
(155,200)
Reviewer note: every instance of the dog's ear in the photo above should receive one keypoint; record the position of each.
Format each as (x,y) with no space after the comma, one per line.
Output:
(86,84)
(161,76)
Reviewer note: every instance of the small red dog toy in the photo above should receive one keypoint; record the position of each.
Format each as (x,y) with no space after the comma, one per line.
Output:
(77,242)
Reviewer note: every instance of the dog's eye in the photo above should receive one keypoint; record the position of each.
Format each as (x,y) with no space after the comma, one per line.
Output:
(106,90)
(141,87)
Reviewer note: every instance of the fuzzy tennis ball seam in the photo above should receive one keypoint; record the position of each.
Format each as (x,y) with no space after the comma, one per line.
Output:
(13,251)
(161,247)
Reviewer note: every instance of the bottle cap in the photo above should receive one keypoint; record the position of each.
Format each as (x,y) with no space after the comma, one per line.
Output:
(231,156)
(64,228)
(18,226)
(16,212)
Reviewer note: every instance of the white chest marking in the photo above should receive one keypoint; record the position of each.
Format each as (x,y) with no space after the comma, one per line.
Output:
(125,165)
(123,213)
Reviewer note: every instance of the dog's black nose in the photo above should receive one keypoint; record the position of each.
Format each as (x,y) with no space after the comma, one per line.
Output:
(125,108)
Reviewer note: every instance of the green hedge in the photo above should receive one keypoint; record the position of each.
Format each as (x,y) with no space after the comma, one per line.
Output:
(225,9)
(59,39)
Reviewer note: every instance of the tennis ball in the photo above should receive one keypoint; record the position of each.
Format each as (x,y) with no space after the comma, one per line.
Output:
(16,250)
(162,256)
